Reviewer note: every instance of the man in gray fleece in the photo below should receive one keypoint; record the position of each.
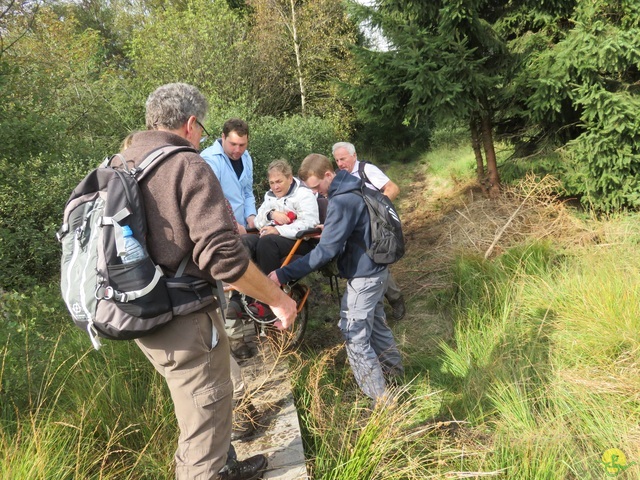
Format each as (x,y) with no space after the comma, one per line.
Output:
(187,215)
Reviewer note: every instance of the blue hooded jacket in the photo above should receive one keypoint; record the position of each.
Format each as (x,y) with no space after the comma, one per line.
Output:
(346,234)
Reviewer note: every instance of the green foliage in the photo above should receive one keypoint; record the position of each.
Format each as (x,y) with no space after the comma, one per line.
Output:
(442,62)
(56,98)
(291,138)
(593,71)
(392,139)
(21,340)
(32,198)
(200,43)
(299,51)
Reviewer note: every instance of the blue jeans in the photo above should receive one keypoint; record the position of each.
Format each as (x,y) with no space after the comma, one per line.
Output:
(371,348)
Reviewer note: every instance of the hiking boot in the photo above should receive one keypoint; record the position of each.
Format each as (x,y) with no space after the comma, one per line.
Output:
(244,420)
(398,309)
(250,469)
(240,349)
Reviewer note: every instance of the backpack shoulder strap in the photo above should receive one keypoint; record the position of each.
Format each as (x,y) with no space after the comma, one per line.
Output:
(367,207)
(363,174)
(152,159)
(156,157)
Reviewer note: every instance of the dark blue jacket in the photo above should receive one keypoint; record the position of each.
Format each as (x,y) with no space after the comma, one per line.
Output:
(346,234)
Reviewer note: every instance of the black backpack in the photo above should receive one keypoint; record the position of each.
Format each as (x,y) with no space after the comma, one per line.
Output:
(387,239)
(105,296)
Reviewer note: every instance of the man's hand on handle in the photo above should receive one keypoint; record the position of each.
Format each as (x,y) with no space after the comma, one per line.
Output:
(286,313)
(255,284)
(278,323)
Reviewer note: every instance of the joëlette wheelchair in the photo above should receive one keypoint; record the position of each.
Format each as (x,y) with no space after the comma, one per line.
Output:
(298,290)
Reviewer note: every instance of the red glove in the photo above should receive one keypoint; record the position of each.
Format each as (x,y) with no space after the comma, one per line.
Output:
(292,216)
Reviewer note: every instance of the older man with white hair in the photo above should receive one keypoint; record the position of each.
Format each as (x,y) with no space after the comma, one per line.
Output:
(345,156)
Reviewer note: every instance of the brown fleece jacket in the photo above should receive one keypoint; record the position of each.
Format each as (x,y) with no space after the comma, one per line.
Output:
(186,212)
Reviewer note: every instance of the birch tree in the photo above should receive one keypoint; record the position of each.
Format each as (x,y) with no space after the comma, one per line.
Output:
(300,53)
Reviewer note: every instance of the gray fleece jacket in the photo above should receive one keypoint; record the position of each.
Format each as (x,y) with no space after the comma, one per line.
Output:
(186,212)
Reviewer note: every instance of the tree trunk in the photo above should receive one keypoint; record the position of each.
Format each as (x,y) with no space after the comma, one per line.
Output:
(296,47)
(475,144)
(490,154)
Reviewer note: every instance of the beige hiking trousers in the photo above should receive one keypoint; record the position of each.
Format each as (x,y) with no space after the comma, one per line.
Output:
(192,354)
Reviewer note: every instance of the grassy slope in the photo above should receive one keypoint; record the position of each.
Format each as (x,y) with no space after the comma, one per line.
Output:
(522,365)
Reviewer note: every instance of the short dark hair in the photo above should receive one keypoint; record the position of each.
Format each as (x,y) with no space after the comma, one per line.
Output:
(314,164)
(235,125)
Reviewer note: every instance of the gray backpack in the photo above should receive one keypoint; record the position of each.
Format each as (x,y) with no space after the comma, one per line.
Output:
(387,240)
(107,297)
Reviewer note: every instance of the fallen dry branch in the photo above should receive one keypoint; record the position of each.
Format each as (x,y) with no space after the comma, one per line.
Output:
(466,221)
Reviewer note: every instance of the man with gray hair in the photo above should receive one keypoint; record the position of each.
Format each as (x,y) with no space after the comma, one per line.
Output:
(188,218)
(345,156)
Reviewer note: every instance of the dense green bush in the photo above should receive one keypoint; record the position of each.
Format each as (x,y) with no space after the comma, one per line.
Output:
(592,74)
(32,198)
(30,319)
(291,138)
(385,139)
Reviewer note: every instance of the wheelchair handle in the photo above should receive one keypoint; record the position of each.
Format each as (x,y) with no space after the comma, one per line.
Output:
(308,231)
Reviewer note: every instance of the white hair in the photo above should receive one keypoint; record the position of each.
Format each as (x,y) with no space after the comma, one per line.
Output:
(349,146)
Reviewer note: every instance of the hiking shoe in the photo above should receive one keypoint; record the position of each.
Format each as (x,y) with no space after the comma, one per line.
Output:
(240,349)
(398,309)
(244,420)
(250,469)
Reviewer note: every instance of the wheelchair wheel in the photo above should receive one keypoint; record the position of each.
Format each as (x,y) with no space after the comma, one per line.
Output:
(291,339)
(299,293)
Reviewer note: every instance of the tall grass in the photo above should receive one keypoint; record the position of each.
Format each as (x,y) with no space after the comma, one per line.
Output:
(539,378)
(548,351)
(78,414)
(346,440)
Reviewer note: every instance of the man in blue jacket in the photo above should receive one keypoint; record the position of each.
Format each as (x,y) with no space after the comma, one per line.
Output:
(371,348)
(232,164)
